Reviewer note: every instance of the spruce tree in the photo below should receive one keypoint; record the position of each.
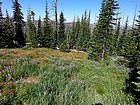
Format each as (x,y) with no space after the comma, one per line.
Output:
(80,38)
(136,39)
(103,33)
(1,28)
(72,39)
(39,32)
(61,31)
(97,42)
(124,40)
(18,24)
(86,32)
(31,29)
(77,36)
(47,40)
(134,58)
(55,42)
(8,32)
(116,38)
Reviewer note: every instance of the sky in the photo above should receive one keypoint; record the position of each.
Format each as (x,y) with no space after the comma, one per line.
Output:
(72,8)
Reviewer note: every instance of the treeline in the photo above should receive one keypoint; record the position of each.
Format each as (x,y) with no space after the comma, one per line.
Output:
(108,38)
(15,33)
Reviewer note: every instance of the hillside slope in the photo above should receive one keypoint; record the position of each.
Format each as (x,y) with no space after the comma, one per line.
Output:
(49,77)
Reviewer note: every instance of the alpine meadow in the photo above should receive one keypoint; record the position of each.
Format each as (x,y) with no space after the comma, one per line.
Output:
(49,61)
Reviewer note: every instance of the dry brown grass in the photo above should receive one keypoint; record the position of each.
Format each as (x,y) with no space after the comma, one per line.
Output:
(40,53)
(32,79)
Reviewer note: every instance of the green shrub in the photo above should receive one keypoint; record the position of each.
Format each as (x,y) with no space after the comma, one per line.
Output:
(5,76)
(8,96)
(64,47)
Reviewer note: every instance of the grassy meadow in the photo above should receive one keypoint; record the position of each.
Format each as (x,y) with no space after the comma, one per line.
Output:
(41,76)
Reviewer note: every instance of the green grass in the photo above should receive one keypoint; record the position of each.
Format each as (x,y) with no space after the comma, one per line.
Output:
(63,79)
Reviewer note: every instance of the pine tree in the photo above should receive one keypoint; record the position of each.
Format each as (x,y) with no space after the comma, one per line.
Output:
(116,38)
(72,39)
(111,7)
(55,42)
(31,29)
(124,40)
(86,32)
(61,31)
(8,32)
(103,33)
(134,58)
(39,32)
(96,49)
(1,28)
(78,25)
(80,38)
(136,37)
(47,40)
(18,24)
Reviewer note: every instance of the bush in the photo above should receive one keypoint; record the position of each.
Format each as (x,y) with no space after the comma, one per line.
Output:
(8,96)
(64,47)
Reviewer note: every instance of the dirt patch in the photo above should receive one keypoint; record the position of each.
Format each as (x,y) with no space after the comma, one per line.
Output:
(29,79)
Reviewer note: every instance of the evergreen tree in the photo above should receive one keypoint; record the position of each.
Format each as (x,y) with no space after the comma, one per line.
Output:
(55,42)
(72,39)
(134,58)
(116,38)
(64,46)
(47,39)
(124,40)
(77,36)
(86,32)
(80,36)
(61,31)
(1,28)
(18,24)
(103,33)
(96,49)
(39,32)
(137,89)
(8,32)
(136,39)
(31,29)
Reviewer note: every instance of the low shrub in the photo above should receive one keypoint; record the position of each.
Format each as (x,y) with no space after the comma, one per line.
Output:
(25,66)
(64,47)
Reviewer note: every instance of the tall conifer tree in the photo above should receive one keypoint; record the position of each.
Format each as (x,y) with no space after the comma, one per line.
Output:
(1,27)
(72,39)
(102,39)
(124,39)
(55,42)
(78,25)
(47,40)
(80,36)
(8,32)
(61,31)
(18,24)
(134,58)
(116,38)
(39,32)
(86,31)
(31,29)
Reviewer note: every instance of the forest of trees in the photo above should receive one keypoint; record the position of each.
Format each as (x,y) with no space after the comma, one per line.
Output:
(108,38)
